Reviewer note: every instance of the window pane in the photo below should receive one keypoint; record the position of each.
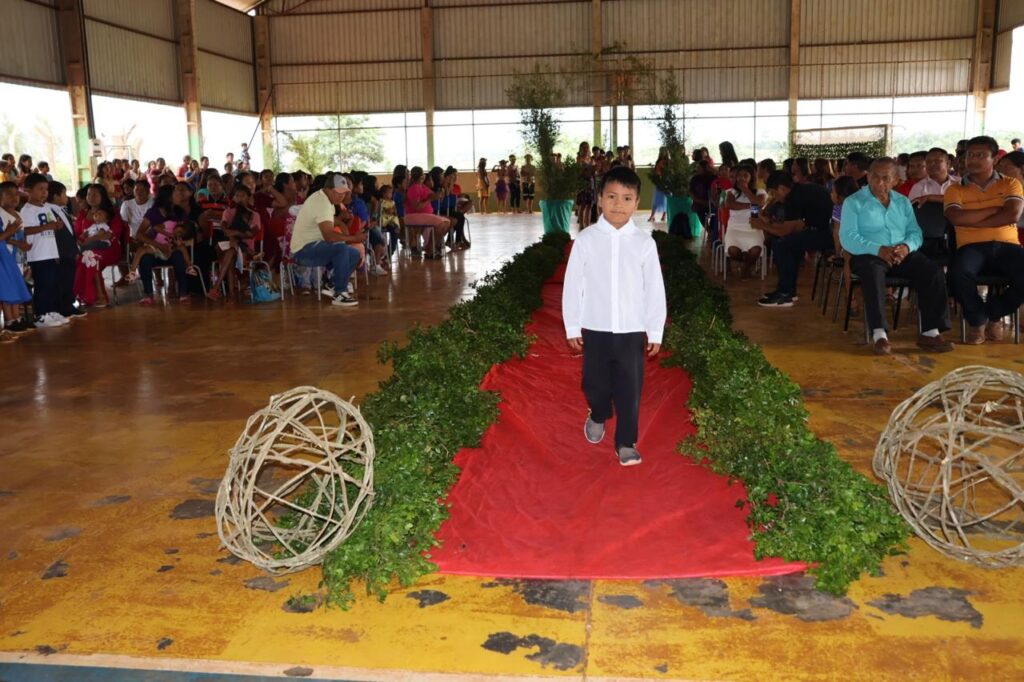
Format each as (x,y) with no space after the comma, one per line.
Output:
(147,130)
(223,133)
(416,144)
(772,137)
(42,130)
(496,141)
(863,105)
(912,132)
(454,146)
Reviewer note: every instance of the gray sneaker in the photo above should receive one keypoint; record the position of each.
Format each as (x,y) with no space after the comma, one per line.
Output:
(628,456)
(593,431)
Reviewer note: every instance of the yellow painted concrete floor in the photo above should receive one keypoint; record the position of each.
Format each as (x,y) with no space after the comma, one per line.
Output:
(115,436)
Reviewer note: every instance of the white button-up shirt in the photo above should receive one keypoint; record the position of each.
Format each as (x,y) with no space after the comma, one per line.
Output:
(927,187)
(613,283)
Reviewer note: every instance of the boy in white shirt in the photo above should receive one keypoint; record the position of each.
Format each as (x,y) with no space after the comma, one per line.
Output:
(613,307)
(41,223)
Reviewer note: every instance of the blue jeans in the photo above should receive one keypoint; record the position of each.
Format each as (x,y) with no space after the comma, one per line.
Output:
(989,258)
(341,257)
(177,261)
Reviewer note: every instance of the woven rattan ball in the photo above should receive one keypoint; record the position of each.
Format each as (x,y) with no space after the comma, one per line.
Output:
(299,480)
(953,458)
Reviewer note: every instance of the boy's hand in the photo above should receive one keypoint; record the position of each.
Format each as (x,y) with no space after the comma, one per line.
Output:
(576,344)
(653,349)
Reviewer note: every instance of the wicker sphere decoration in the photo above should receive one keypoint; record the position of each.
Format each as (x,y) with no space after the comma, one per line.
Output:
(953,459)
(299,480)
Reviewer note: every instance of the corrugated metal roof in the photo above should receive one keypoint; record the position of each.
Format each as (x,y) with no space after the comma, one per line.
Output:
(885,70)
(156,19)
(301,90)
(152,71)
(511,30)
(31,44)
(1011,14)
(824,22)
(681,24)
(364,37)
(223,30)
(322,6)
(226,84)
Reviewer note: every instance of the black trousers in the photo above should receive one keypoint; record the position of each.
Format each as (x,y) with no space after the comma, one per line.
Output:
(925,277)
(613,376)
(997,258)
(514,193)
(790,250)
(46,293)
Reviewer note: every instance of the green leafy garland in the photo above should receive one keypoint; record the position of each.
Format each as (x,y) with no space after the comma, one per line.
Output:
(431,407)
(805,503)
(838,150)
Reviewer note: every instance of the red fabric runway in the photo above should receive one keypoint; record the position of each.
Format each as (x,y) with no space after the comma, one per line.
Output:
(536,500)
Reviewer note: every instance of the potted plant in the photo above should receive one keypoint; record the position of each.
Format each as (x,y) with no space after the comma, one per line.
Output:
(673,176)
(535,94)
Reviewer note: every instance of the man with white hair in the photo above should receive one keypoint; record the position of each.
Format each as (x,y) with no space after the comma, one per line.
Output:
(880,232)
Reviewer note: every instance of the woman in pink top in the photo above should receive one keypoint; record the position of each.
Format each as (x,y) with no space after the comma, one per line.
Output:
(420,214)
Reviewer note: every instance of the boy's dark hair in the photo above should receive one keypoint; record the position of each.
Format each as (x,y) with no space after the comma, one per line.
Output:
(779,179)
(1015,140)
(34,180)
(844,186)
(41,164)
(623,175)
(4,186)
(57,188)
(938,149)
(917,155)
(984,141)
(381,190)
(860,160)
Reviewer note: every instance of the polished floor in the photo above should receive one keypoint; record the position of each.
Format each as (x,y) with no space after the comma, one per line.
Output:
(115,435)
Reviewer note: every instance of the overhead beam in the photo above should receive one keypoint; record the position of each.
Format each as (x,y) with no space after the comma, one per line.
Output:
(429,91)
(264,84)
(188,61)
(981,59)
(794,61)
(71,26)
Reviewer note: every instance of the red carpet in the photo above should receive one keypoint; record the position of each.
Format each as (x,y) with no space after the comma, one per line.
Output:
(537,501)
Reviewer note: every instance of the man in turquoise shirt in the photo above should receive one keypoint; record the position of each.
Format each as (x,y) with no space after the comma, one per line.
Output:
(879,230)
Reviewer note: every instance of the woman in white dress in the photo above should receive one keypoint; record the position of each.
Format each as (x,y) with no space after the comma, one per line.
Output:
(743,243)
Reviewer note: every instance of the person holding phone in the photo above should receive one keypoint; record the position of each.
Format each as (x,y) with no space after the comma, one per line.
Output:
(743,243)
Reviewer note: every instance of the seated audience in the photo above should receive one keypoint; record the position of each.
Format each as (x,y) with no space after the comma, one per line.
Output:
(157,232)
(100,232)
(805,227)
(317,241)
(984,208)
(743,243)
(420,214)
(879,230)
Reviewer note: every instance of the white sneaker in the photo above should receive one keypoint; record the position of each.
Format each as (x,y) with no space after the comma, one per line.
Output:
(327,291)
(62,319)
(345,300)
(50,320)
(378,270)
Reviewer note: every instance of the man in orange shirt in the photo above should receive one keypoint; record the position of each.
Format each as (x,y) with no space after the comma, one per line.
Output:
(984,208)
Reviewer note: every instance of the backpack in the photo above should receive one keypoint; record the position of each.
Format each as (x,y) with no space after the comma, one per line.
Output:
(261,284)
